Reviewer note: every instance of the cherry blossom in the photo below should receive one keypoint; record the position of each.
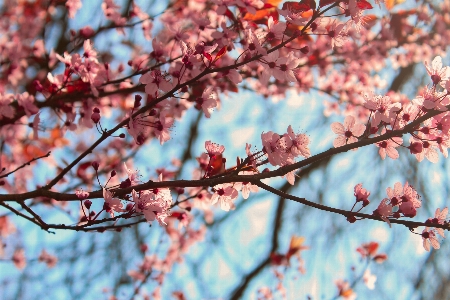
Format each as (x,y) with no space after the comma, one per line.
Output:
(348,132)
(387,147)
(361,194)
(437,73)
(429,238)
(384,210)
(224,194)
(112,205)
(207,102)
(145,203)
(439,218)
(154,81)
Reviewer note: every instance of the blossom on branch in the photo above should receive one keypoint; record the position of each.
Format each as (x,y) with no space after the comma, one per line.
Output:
(348,132)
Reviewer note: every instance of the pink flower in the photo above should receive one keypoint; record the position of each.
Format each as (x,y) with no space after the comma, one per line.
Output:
(207,101)
(347,132)
(429,238)
(384,211)
(214,149)
(112,204)
(144,203)
(382,107)
(155,81)
(275,29)
(439,218)
(161,127)
(299,143)
(274,146)
(361,194)
(246,187)
(27,102)
(224,194)
(403,194)
(388,147)
(253,44)
(437,73)
(279,67)
(81,194)
(133,175)
(337,33)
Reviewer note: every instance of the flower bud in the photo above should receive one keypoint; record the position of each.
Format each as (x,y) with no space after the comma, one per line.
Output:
(95,117)
(95,165)
(88,204)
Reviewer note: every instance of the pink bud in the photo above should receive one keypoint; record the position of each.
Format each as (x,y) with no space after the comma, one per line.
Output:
(87,32)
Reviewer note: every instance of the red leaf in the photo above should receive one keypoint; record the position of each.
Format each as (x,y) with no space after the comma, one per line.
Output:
(208,56)
(363,4)
(221,53)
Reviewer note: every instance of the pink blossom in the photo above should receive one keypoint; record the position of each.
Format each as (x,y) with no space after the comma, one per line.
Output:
(403,194)
(253,44)
(337,33)
(299,143)
(347,132)
(214,149)
(133,175)
(276,29)
(388,147)
(161,128)
(82,195)
(112,204)
(439,218)
(279,67)
(274,146)
(224,194)
(27,102)
(155,81)
(437,73)
(144,203)
(246,187)
(361,194)
(207,101)
(384,211)
(429,238)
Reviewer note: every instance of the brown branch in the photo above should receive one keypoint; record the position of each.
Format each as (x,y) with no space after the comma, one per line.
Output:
(25,164)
